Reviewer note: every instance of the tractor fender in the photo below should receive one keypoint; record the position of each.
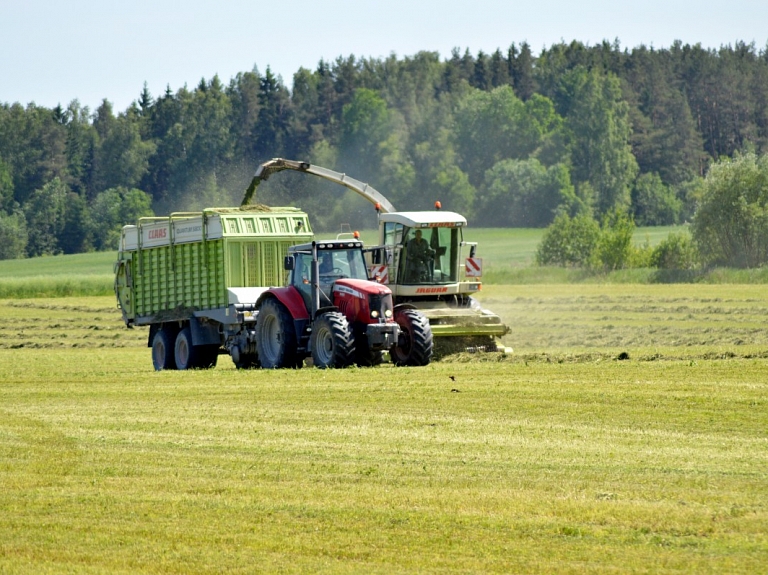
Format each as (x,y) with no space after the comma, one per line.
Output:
(291,298)
(406,305)
(288,296)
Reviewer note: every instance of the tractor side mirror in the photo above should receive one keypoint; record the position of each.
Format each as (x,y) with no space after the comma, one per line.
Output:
(289,263)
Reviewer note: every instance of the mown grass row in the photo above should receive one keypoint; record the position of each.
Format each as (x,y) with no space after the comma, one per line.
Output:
(551,321)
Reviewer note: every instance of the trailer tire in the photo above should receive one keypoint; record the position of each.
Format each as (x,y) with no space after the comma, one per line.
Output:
(332,342)
(276,341)
(415,344)
(184,352)
(162,349)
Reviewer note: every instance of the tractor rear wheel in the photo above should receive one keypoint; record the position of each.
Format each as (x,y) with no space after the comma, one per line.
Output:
(332,342)
(414,346)
(276,341)
(162,349)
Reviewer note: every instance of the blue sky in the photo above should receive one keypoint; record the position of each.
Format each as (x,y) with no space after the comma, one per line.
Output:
(52,52)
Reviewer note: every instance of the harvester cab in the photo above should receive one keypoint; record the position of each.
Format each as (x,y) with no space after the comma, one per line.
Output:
(423,250)
(331,311)
(420,256)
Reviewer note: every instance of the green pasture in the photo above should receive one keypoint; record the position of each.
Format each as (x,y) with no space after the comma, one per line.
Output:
(58,276)
(508,257)
(627,432)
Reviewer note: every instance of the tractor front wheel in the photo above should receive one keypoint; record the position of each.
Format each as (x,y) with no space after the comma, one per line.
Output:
(332,342)
(414,346)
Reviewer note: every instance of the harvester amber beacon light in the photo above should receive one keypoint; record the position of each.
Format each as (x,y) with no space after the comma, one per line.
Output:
(438,205)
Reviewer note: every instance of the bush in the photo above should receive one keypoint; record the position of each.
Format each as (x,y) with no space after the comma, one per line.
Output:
(569,241)
(13,236)
(614,246)
(581,241)
(676,252)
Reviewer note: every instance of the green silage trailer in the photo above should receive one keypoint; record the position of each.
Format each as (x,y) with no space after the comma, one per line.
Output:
(194,278)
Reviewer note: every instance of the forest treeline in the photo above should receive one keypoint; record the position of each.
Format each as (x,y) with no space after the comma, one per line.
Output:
(510,139)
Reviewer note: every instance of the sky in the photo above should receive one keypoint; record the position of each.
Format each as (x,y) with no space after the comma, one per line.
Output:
(56,51)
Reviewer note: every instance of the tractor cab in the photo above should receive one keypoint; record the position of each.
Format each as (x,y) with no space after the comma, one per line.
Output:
(336,260)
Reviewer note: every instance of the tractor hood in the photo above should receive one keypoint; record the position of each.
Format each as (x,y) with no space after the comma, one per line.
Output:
(358,288)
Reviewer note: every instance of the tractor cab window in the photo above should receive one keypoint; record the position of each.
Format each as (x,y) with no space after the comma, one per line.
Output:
(338,264)
(302,269)
(430,255)
(332,265)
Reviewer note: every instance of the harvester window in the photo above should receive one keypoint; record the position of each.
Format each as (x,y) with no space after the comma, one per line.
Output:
(430,255)
(393,234)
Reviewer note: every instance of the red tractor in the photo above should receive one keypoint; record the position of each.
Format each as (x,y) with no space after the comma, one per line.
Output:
(331,311)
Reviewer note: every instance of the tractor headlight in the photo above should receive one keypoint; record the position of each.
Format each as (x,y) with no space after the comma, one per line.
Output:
(380,306)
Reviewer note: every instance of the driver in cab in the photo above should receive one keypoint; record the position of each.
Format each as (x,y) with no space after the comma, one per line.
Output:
(419,254)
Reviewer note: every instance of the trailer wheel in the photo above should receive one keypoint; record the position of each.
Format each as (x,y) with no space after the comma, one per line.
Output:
(332,342)
(188,356)
(276,341)
(184,352)
(414,346)
(162,350)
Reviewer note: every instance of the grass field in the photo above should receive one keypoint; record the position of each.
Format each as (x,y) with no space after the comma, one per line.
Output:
(508,255)
(557,458)
(57,276)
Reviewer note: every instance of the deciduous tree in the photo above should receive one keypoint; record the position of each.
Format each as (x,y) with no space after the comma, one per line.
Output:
(731,225)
